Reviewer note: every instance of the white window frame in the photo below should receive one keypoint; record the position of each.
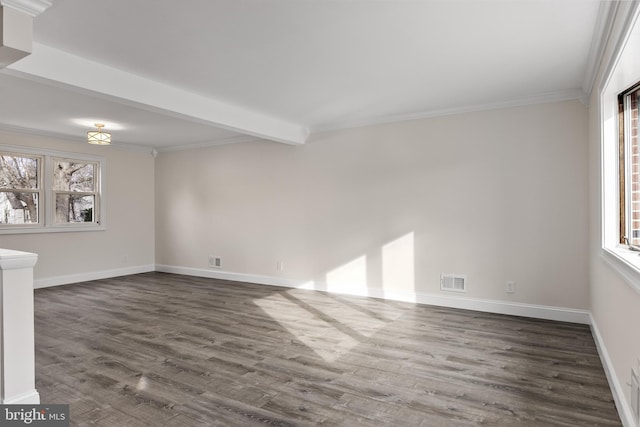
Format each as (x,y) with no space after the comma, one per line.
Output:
(621,74)
(628,179)
(39,190)
(46,204)
(96,193)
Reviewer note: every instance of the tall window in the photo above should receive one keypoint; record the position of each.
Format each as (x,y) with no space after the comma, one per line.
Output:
(50,191)
(629,166)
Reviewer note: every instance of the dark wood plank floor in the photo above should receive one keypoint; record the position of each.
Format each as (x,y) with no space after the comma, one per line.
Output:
(168,350)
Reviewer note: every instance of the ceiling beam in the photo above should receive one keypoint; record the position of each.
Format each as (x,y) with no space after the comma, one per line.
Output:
(16,28)
(61,68)
(16,35)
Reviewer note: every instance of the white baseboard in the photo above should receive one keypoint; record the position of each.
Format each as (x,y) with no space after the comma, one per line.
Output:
(561,314)
(31,397)
(617,389)
(228,275)
(94,275)
(485,305)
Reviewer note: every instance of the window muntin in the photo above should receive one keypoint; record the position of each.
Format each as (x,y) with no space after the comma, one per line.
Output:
(629,167)
(20,190)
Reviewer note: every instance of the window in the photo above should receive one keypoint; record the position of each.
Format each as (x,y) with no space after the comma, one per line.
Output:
(50,191)
(74,191)
(619,155)
(20,189)
(629,167)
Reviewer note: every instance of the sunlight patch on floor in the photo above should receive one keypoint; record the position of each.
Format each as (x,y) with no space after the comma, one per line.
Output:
(360,320)
(326,341)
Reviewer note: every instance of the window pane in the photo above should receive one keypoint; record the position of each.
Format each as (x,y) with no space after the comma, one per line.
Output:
(634,155)
(73,176)
(74,208)
(18,208)
(20,173)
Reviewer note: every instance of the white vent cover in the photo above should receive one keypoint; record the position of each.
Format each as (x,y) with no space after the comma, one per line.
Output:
(453,282)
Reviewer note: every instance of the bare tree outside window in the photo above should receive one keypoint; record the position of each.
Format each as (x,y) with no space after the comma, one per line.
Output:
(19,189)
(74,188)
(45,191)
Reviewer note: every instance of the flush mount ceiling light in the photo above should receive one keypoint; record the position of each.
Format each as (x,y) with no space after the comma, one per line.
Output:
(97,137)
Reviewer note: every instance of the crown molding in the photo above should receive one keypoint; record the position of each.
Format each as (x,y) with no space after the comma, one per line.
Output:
(544,98)
(628,17)
(599,41)
(30,7)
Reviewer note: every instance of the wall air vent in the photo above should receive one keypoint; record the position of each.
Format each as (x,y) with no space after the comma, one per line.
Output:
(453,282)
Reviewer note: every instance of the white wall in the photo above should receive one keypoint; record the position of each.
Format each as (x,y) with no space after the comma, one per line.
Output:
(74,256)
(496,195)
(614,304)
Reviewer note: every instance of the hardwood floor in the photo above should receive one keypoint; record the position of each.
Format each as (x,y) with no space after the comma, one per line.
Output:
(168,350)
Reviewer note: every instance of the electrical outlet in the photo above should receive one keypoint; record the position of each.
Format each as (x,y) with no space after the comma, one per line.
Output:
(280,266)
(511,287)
(215,261)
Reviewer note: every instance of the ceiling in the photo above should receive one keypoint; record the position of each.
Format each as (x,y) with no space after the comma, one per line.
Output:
(168,75)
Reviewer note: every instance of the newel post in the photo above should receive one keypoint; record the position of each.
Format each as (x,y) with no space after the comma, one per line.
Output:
(17,349)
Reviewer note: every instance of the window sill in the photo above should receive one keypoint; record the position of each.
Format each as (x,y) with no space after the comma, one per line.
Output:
(625,262)
(58,229)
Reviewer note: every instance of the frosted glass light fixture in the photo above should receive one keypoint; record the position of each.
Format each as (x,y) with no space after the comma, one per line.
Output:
(97,137)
